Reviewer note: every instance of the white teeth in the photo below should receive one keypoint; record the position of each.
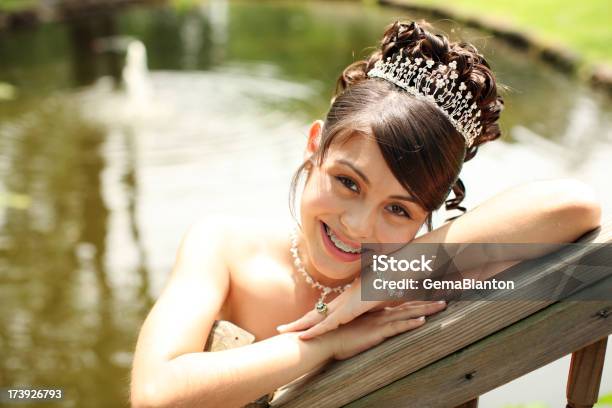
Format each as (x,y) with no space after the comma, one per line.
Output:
(339,244)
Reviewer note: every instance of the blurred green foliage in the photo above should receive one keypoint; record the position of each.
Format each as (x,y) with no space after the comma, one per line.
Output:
(582,25)
(604,401)
(16,5)
(184,5)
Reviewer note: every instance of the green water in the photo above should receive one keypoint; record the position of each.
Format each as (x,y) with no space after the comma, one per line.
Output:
(100,177)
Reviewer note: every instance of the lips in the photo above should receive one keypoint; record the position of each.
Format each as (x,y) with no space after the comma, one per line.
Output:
(334,251)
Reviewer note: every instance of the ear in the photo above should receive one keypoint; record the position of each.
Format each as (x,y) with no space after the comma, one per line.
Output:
(314,138)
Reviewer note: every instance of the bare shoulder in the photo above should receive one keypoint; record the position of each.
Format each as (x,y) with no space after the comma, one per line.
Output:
(237,238)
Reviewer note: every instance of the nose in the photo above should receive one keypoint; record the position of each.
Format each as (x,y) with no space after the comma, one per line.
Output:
(358,223)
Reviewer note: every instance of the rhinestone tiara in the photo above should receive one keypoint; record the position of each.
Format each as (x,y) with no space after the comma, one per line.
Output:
(417,79)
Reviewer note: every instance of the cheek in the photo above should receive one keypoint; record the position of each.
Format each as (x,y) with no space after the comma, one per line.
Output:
(390,230)
(318,197)
(404,234)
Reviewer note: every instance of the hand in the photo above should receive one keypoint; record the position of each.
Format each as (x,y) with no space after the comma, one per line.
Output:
(372,328)
(343,309)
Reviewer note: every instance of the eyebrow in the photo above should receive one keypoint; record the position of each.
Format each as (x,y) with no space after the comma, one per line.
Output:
(367,181)
(355,169)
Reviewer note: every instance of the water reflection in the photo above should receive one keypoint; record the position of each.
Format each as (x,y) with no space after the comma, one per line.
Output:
(55,280)
(126,127)
(87,64)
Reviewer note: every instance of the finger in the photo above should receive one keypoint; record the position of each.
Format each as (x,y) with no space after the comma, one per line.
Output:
(330,323)
(413,311)
(308,320)
(350,312)
(387,305)
(314,318)
(398,326)
(337,317)
(410,303)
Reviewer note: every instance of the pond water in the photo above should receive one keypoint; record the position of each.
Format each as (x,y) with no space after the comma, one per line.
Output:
(117,131)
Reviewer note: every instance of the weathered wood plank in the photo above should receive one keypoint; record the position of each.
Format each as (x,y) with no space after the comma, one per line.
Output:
(470,404)
(461,324)
(585,373)
(501,357)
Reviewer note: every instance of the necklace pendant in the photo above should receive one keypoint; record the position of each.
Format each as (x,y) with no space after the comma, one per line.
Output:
(321,307)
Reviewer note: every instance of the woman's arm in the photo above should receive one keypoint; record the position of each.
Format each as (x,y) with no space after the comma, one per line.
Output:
(170,367)
(550,211)
(232,378)
(171,370)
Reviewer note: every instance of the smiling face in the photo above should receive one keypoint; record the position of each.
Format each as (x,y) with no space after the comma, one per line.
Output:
(352,198)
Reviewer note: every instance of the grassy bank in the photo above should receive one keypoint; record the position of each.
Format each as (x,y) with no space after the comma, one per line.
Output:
(583,26)
(11,6)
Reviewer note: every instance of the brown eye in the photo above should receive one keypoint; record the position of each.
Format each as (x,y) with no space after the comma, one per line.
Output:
(348,183)
(398,210)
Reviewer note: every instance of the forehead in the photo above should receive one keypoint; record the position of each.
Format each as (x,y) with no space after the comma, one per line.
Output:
(362,151)
(359,148)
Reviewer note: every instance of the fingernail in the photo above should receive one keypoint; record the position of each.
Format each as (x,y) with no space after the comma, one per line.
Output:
(442,301)
(422,318)
(281,327)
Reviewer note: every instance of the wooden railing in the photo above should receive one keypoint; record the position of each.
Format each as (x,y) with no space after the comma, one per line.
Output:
(473,347)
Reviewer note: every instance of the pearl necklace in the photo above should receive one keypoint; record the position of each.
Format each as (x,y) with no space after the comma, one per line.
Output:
(321,306)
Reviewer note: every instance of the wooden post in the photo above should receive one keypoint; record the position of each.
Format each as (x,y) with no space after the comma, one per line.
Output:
(470,404)
(585,375)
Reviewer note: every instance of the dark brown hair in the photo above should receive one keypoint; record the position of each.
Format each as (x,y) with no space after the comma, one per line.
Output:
(420,145)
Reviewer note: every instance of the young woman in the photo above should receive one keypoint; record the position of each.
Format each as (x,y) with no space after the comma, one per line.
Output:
(388,154)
